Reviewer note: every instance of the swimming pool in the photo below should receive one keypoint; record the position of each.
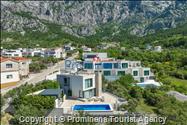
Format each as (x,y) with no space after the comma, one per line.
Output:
(146,85)
(92,107)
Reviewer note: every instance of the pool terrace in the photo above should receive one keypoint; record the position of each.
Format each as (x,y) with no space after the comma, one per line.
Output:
(106,98)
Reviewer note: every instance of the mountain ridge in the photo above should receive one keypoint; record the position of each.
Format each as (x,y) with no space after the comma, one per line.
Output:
(83,18)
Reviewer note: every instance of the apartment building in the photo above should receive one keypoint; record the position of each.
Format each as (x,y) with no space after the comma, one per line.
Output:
(13,69)
(68,47)
(56,53)
(92,56)
(9,72)
(23,64)
(12,53)
(112,69)
(81,84)
(33,52)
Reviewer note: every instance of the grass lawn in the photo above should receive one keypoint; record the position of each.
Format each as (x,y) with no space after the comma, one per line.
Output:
(177,82)
(180,85)
(144,108)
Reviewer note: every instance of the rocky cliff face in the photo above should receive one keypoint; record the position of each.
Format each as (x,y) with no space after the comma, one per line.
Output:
(82,18)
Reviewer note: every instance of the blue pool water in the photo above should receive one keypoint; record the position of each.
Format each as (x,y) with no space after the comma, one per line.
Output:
(146,85)
(92,107)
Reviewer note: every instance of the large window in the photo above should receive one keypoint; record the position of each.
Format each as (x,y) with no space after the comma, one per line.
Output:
(88,83)
(66,81)
(89,93)
(107,65)
(135,73)
(16,55)
(91,56)
(116,65)
(146,72)
(9,76)
(124,65)
(9,65)
(88,65)
(106,73)
(120,73)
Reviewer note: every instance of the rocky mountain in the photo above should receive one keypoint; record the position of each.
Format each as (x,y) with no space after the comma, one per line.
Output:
(83,18)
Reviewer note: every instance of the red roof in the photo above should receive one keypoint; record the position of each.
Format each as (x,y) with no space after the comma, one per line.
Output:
(20,58)
(3,59)
(15,59)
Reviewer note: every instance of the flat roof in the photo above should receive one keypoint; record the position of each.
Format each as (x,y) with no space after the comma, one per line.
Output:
(51,92)
(78,73)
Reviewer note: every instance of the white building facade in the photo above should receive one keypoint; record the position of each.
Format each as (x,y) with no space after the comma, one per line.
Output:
(12,53)
(80,84)
(56,53)
(9,73)
(111,68)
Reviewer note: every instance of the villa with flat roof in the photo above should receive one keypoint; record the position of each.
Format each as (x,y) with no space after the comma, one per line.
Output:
(93,55)
(80,84)
(111,68)
(82,91)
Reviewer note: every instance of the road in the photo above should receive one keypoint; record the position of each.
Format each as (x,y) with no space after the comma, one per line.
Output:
(37,77)
(178,96)
(34,79)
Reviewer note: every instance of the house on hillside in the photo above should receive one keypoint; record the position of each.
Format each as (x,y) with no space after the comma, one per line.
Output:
(68,47)
(56,53)
(23,64)
(112,68)
(86,49)
(13,69)
(12,53)
(9,72)
(158,49)
(94,55)
(33,52)
(81,84)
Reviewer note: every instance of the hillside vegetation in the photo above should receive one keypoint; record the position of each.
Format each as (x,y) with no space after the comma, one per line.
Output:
(171,38)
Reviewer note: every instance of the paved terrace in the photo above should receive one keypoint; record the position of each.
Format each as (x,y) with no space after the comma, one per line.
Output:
(107,99)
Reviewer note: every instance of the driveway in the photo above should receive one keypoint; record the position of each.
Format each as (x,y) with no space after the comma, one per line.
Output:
(177,95)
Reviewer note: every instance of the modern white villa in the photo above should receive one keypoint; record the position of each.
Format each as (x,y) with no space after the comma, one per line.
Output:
(12,53)
(158,48)
(68,47)
(86,49)
(112,68)
(91,56)
(81,84)
(83,92)
(42,52)
(33,52)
